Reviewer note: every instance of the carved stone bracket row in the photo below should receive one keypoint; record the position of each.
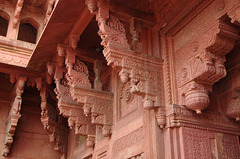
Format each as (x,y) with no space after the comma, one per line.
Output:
(201,72)
(96,103)
(53,123)
(72,110)
(142,71)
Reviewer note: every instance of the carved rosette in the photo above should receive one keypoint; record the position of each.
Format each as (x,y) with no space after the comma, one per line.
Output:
(14,115)
(73,111)
(142,71)
(202,71)
(52,122)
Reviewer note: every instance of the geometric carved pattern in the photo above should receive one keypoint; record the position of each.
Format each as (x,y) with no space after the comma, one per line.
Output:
(143,72)
(73,111)
(53,123)
(135,137)
(197,143)
(201,72)
(14,115)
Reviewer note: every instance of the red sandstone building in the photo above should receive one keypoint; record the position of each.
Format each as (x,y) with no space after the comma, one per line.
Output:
(119,79)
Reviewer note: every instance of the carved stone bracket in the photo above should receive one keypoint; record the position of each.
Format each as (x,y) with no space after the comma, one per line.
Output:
(180,116)
(202,71)
(142,71)
(14,115)
(72,110)
(96,103)
(53,123)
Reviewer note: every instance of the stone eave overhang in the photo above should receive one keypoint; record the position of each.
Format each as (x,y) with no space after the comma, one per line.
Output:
(66,19)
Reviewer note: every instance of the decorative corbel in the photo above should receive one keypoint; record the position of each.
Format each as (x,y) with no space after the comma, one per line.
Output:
(202,71)
(17,12)
(142,71)
(14,114)
(52,122)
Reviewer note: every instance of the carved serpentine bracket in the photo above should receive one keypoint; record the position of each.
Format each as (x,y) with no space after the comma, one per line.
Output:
(71,109)
(201,72)
(53,123)
(14,114)
(142,71)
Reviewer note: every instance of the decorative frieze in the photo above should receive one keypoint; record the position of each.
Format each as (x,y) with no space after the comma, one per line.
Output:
(200,72)
(14,114)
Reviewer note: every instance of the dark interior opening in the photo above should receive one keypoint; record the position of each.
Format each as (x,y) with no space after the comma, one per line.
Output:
(3,26)
(27,33)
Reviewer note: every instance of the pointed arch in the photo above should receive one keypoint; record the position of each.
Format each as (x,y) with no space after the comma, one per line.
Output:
(28,30)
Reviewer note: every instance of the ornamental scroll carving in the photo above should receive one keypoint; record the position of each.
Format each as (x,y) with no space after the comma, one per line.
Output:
(71,109)
(14,114)
(53,123)
(142,71)
(207,67)
(96,103)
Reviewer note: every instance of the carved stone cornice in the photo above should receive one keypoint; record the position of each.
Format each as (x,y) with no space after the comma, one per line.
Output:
(143,71)
(14,115)
(180,116)
(202,71)
(53,123)
(72,110)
